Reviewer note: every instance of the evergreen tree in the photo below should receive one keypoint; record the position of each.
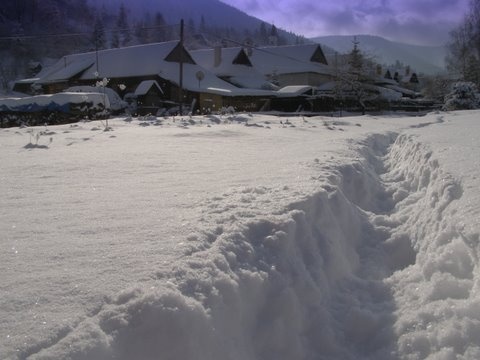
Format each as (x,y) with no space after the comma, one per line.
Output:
(122,28)
(141,33)
(356,60)
(273,37)
(356,76)
(263,34)
(472,69)
(203,25)
(464,96)
(191,26)
(273,30)
(160,31)
(115,40)
(98,36)
(414,79)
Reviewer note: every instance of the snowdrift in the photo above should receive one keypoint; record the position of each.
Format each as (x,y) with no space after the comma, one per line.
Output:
(370,266)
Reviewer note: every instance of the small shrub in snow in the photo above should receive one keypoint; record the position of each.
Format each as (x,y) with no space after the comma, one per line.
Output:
(464,96)
(230,110)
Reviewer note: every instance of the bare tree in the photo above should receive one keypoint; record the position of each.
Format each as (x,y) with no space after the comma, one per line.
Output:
(463,59)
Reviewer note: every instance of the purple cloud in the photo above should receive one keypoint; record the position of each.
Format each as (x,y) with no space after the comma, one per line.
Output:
(414,21)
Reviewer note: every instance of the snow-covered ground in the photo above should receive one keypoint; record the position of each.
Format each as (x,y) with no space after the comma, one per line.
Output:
(289,238)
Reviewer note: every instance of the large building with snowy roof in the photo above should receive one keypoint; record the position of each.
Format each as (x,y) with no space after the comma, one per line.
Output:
(128,68)
(243,77)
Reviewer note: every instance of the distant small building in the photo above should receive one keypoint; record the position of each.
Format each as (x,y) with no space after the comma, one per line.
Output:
(147,98)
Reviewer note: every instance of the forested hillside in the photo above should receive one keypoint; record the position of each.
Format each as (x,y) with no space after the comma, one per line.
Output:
(34,31)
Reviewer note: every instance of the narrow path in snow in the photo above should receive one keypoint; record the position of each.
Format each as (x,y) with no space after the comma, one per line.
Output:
(413,293)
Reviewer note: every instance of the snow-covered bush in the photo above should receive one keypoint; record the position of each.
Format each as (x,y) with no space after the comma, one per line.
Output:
(464,96)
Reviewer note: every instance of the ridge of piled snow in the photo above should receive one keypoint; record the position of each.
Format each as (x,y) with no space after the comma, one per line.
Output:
(367,259)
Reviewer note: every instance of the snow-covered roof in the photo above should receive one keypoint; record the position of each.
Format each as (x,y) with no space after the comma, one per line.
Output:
(155,60)
(226,64)
(145,86)
(65,69)
(252,82)
(136,61)
(132,61)
(289,59)
(210,82)
(401,90)
(234,65)
(265,60)
(28,81)
(294,90)
(329,86)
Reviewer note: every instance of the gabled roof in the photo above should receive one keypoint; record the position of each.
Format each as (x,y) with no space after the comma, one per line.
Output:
(242,59)
(290,59)
(144,87)
(157,59)
(294,90)
(318,56)
(66,69)
(265,60)
(233,61)
(130,61)
(235,66)
(179,53)
(305,52)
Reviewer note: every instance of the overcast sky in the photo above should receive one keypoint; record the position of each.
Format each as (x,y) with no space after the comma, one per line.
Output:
(412,21)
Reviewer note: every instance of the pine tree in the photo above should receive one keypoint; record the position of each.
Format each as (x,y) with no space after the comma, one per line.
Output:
(472,69)
(191,26)
(356,75)
(122,27)
(263,34)
(273,30)
(159,33)
(414,79)
(115,41)
(140,33)
(203,25)
(356,59)
(273,38)
(98,36)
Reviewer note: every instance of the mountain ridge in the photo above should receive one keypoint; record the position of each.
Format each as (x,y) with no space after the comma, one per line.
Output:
(215,13)
(422,59)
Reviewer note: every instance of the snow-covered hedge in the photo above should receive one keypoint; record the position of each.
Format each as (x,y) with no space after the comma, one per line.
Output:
(116,102)
(464,96)
(62,102)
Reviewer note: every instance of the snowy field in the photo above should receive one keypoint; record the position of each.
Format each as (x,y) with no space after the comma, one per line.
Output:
(243,238)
